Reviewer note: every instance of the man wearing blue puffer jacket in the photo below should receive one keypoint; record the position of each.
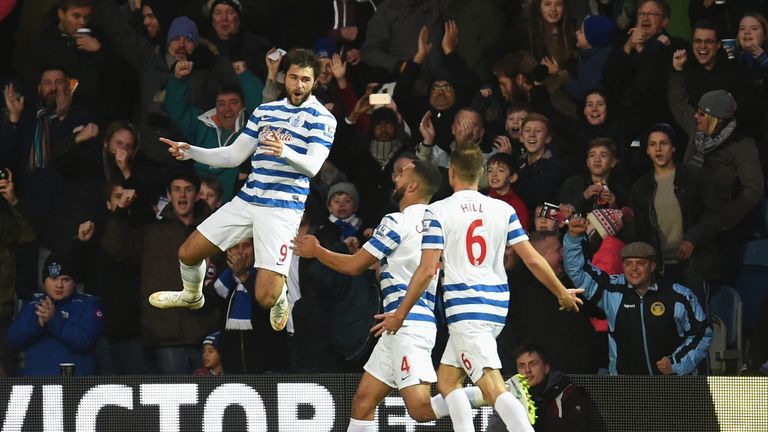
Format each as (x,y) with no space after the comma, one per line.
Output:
(654,328)
(58,326)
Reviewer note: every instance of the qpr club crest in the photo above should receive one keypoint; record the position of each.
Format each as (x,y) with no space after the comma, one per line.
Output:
(297,119)
(54,270)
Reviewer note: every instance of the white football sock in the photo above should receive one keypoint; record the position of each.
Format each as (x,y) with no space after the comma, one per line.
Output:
(461,411)
(512,413)
(192,279)
(361,425)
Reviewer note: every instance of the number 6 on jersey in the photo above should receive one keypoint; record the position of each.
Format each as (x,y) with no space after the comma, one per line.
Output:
(476,244)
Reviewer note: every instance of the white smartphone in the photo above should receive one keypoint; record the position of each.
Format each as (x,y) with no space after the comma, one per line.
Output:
(380,99)
(276,54)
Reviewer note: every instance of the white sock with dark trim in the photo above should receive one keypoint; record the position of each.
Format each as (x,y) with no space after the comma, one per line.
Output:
(192,278)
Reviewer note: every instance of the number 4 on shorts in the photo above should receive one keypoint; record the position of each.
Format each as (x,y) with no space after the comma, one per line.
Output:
(404,366)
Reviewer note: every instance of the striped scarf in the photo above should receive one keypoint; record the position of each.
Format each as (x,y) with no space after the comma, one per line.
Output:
(706,143)
(40,154)
(240,307)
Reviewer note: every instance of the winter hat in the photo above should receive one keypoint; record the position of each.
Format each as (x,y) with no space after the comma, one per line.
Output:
(638,250)
(213,339)
(183,26)
(235,4)
(56,266)
(607,222)
(718,103)
(324,48)
(343,187)
(599,30)
(665,128)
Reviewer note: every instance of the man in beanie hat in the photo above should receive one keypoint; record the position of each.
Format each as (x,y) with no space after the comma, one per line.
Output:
(182,38)
(59,325)
(233,40)
(725,160)
(668,215)
(655,328)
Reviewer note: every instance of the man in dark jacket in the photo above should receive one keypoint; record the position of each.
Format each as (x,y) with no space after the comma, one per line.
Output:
(59,325)
(561,406)
(667,209)
(172,336)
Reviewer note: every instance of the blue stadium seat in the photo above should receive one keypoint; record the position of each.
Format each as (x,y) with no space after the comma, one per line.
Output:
(752,280)
(726,305)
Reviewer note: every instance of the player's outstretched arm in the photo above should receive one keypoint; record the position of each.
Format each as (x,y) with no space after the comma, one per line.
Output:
(392,321)
(307,246)
(222,157)
(540,268)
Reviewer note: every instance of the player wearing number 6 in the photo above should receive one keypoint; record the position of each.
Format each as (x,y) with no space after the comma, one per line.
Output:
(287,141)
(402,360)
(471,232)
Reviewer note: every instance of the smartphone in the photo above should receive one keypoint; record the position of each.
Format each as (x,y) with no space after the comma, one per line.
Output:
(380,98)
(552,212)
(3,174)
(276,54)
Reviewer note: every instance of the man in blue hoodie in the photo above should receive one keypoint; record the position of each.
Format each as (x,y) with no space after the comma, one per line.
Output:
(59,325)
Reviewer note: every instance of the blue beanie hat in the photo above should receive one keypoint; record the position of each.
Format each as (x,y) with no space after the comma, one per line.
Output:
(213,339)
(599,30)
(183,26)
(324,48)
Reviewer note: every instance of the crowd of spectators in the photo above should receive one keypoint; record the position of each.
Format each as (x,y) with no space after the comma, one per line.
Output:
(642,123)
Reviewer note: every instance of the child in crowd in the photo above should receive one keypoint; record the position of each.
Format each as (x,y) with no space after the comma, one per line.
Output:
(211,191)
(502,173)
(211,356)
(342,205)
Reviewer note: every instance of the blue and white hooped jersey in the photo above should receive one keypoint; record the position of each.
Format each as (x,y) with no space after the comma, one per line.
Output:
(473,231)
(397,243)
(273,182)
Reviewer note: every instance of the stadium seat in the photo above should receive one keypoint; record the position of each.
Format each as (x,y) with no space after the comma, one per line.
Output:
(725,305)
(751,281)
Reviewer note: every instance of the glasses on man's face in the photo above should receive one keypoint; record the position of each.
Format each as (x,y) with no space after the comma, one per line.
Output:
(442,87)
(648,15)
(704,42)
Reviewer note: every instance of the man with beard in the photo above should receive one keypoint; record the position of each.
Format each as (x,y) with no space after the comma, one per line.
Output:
(401,361)
(51,149)
(287,141)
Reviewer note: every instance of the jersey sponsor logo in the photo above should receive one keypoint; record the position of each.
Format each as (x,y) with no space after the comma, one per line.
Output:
(282,134)
(658,308)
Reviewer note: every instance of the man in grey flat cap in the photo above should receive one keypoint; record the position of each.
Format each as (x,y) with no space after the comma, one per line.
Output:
(654,328)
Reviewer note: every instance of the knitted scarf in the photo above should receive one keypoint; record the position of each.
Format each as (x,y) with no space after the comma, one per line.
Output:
(707,143)
(348,226)
(240,307)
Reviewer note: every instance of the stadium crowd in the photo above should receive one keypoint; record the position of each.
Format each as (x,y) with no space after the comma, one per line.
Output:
(630,137)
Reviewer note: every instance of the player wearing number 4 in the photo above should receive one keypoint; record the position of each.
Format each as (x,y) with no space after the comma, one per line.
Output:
(401,361)
(471,232)
(287,141)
